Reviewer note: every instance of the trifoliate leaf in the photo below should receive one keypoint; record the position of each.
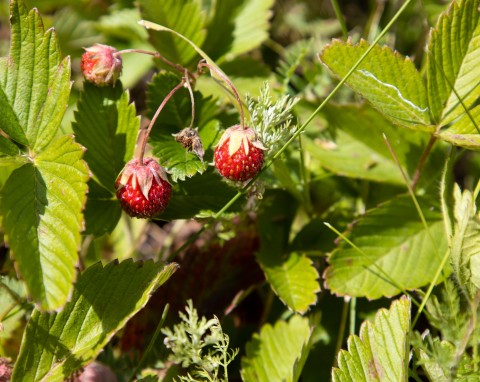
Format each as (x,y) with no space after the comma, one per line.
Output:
(390,82)
(42,204)
(380,351)
(104,299)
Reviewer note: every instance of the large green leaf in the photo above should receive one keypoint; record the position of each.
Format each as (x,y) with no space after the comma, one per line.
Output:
(380,352)
(385,78)
(107,125)
(237,27)
(454,57)
(41,203)
(104,299)
(394,251)
(357,148)
(34,82)
(185,17)
(278,353)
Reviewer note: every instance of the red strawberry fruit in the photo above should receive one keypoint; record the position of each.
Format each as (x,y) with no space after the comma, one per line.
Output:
(100,65)
(143,189)
(239,154)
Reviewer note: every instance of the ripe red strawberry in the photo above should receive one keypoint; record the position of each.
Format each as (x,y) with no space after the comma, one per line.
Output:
(100,66)
(143,190)
(239,154)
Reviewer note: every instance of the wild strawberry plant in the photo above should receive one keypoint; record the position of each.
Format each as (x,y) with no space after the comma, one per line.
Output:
(214,191)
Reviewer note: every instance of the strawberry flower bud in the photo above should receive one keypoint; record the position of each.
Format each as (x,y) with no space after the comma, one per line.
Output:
(239,154)
(100,66)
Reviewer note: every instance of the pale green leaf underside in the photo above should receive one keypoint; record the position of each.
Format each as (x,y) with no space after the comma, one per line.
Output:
(397,251)
(453,61)
(34,83)
(465,241)
(379,352)
(104,299)
(107,125)
(293,279)
(41,204)
(358,149)
(185,17)
(272,355)
(464,131)
(386,79)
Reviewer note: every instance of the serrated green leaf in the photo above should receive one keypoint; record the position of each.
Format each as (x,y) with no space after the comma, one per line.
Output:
(465,241)
(293,278)
(397,251)
(104,299)
(107,125)
(7,147)
(379,353)
(237,27)
(356,147)
(41,203)
(185,17)
(389,81)
(454,56)
(34,82)
(274,354)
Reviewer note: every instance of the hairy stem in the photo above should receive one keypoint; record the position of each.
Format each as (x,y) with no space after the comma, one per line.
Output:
(223,76)
(192,98)
(178,67)
(152,122)
(423,159)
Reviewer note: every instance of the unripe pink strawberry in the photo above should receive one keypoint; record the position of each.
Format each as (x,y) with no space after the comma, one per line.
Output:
(143,190)
(239,154)
(100,66)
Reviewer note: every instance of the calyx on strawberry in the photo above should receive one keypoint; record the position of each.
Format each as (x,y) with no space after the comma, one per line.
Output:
(238,155)
(100,65)
(143,190)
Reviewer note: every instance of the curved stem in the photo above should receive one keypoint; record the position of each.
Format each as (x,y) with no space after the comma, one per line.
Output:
(203,64)
(192,98)
(178,67)
(150,125)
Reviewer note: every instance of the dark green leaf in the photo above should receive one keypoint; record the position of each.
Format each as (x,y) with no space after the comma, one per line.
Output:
(107,125)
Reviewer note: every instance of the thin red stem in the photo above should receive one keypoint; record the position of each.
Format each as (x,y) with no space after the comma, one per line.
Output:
(157,113)
(178,67)
(203,64)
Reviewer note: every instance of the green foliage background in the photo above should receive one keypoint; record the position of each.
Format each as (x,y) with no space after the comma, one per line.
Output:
(361,232)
